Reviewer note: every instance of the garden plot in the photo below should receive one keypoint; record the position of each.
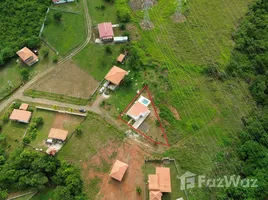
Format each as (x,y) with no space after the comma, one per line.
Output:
(69,80)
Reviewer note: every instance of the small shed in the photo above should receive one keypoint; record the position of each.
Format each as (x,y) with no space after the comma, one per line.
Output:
(22,116)
(120,39)
(121,58)
(118,171)
(27,56)
(24,106)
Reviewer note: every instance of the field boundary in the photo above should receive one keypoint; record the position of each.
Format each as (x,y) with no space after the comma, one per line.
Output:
(155,111)
(61,111)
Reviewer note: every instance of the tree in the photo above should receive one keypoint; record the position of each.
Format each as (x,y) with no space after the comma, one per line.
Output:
(3,194)
(78,131)
(108,50)
(24,74)
(26,140)
(45,53)
(39,121)
(55,59)
(57,16)
(123,14)
(138,190)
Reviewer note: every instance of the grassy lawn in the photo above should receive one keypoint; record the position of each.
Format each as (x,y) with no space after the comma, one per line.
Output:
(66,34)
(96,61)
(149,168)
(98,16)
(56,97)
(97,134)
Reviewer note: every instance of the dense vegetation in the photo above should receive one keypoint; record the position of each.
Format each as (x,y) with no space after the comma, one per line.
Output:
(25,169)
(20,25)
(250,61)
(250,56)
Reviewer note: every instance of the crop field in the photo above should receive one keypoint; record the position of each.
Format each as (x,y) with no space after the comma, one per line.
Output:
(63,34)
(53,120)
(69,80)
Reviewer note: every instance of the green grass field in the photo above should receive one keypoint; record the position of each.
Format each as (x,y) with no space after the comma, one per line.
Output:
(98,16)
(96,61)
(63,35)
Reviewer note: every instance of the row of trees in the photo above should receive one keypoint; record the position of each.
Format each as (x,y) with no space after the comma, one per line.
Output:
(27,169)
(20,25)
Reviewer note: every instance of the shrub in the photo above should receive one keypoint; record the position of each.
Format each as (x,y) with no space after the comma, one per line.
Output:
(15,105)
(24,74)
(157,122)
(122,26)
(78,131)
(123,15)
(26,140)
(39,121)
(55,59)
(138,190)
(5,118)
(45,53)
(57,16)
(108,49)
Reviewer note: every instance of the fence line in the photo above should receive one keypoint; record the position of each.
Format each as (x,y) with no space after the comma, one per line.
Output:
(61,111)
(67,11)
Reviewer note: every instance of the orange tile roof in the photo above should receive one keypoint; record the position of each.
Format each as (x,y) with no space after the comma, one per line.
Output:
(155,195)
(21,115)
(58,134)
(115,75)
(27,56)
(161,180)
(118,170)
(24,106)
(137,109)
(120,58)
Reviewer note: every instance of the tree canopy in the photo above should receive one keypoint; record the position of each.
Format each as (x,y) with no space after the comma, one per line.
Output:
(20,25)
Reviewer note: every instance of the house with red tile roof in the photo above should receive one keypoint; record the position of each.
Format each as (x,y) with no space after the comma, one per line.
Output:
(58,134)
(115,77)
(24,106)
(22,116)
(121,58)
(137,111)
(27,56)
(118,171)
(106,32)
(159,183)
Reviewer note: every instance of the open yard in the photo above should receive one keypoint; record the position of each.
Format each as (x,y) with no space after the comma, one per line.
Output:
(69,80)
(96,61)
(93,152)
(53,120)
(69,32)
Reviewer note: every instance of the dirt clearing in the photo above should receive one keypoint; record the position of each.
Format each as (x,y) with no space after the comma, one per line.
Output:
(69,80)
(99,166)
